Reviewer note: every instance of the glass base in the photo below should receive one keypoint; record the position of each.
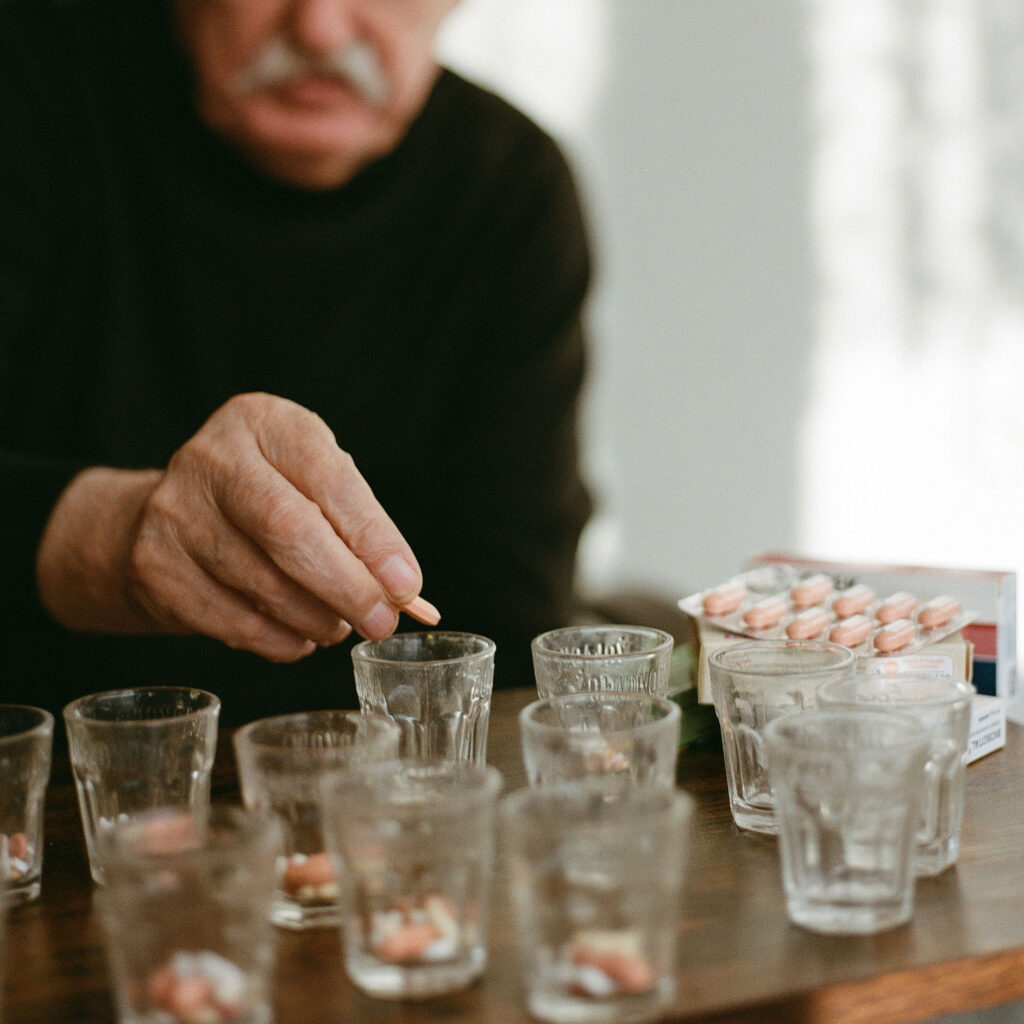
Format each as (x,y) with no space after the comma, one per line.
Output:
(839,917)
(414,981)
(299,917)
(23,891)
(936,857)
(755,819)
(557,1006)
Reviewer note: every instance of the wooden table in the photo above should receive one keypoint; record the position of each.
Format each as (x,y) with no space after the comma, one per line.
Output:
(739,961)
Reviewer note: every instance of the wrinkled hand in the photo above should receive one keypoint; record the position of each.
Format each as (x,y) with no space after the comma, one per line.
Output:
(261,532)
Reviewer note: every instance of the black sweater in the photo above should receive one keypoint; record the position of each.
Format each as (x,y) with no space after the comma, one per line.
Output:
(429,311)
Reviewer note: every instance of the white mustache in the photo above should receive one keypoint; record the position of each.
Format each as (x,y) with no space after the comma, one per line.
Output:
(356,62)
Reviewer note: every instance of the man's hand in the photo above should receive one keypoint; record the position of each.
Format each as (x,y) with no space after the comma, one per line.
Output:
(261,532)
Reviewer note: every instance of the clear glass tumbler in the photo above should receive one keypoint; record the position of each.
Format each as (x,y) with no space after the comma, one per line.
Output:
(283,763)
(943,707)
(186,913)
(848,791)
(436,686)
(414,842)
(138,749)
(752,683)
(26,744)
(596,877)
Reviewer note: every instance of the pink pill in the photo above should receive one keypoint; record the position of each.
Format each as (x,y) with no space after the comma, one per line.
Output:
(812,590)
(766,613)
(807,624)
(852,631)
(853,600)
(18,846)
(895,636)
(407,943)
(896,606)
(316,869)
(725,599)
(937,612)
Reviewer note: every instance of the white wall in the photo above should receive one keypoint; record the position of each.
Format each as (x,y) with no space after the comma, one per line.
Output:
(808,324)
(686,121)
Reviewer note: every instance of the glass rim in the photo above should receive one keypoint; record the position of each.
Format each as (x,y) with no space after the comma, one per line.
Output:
(670,707)
(366,650)
(74,714)
(908,733)
(717,658)
(663,640)
(958,691)
(42,727)
(244,733)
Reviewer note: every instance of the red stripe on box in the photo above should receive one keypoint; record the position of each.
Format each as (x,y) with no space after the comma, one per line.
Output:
(983,636)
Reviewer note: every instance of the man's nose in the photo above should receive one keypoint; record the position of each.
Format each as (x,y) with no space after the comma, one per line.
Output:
(321,26)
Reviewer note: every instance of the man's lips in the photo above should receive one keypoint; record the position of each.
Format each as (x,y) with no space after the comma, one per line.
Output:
(316,90)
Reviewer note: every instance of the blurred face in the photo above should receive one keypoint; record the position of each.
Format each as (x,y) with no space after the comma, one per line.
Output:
(312,90)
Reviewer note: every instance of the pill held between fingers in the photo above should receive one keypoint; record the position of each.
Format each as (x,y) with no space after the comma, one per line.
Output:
(422,611)
(895,635)
(812,590)
(853,600)
(766,613)
(809,623)
(852,631)
(725,599)
(896,606)
(937,612)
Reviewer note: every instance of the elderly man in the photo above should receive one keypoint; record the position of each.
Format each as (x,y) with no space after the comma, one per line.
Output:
(290,329)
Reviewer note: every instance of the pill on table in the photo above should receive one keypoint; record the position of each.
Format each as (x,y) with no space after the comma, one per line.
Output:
(315,869)
(896,606)
(812,590)
(895,635)
(853,600)
(725,599)
(765,613)
(807,624)
(937,612)
(852,631)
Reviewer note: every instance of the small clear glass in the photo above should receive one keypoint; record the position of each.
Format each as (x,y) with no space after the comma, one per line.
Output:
(943,707)
(848,791)
(436,686)
(26,745)
(283,763)
(596,875)
(414,842)
(753,683)
(138,749)
(186,914)
(632,737)
(588,659)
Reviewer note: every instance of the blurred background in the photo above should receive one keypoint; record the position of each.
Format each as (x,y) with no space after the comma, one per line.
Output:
(808,317)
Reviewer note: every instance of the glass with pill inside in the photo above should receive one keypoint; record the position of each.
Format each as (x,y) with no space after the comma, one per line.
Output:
(26,745)
(593,659)
(630,738)
(186,915)
(414,844)
(597,875)
(138,749)
(752,683)
(436,685)
(943,707)
(283,764)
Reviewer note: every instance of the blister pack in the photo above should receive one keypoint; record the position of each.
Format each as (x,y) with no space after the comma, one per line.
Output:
(779,601)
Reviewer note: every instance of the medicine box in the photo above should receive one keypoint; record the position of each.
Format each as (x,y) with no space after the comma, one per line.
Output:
(992,594)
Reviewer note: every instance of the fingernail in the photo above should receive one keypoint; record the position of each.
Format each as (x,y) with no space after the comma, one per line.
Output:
(398,576)
(380,621)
